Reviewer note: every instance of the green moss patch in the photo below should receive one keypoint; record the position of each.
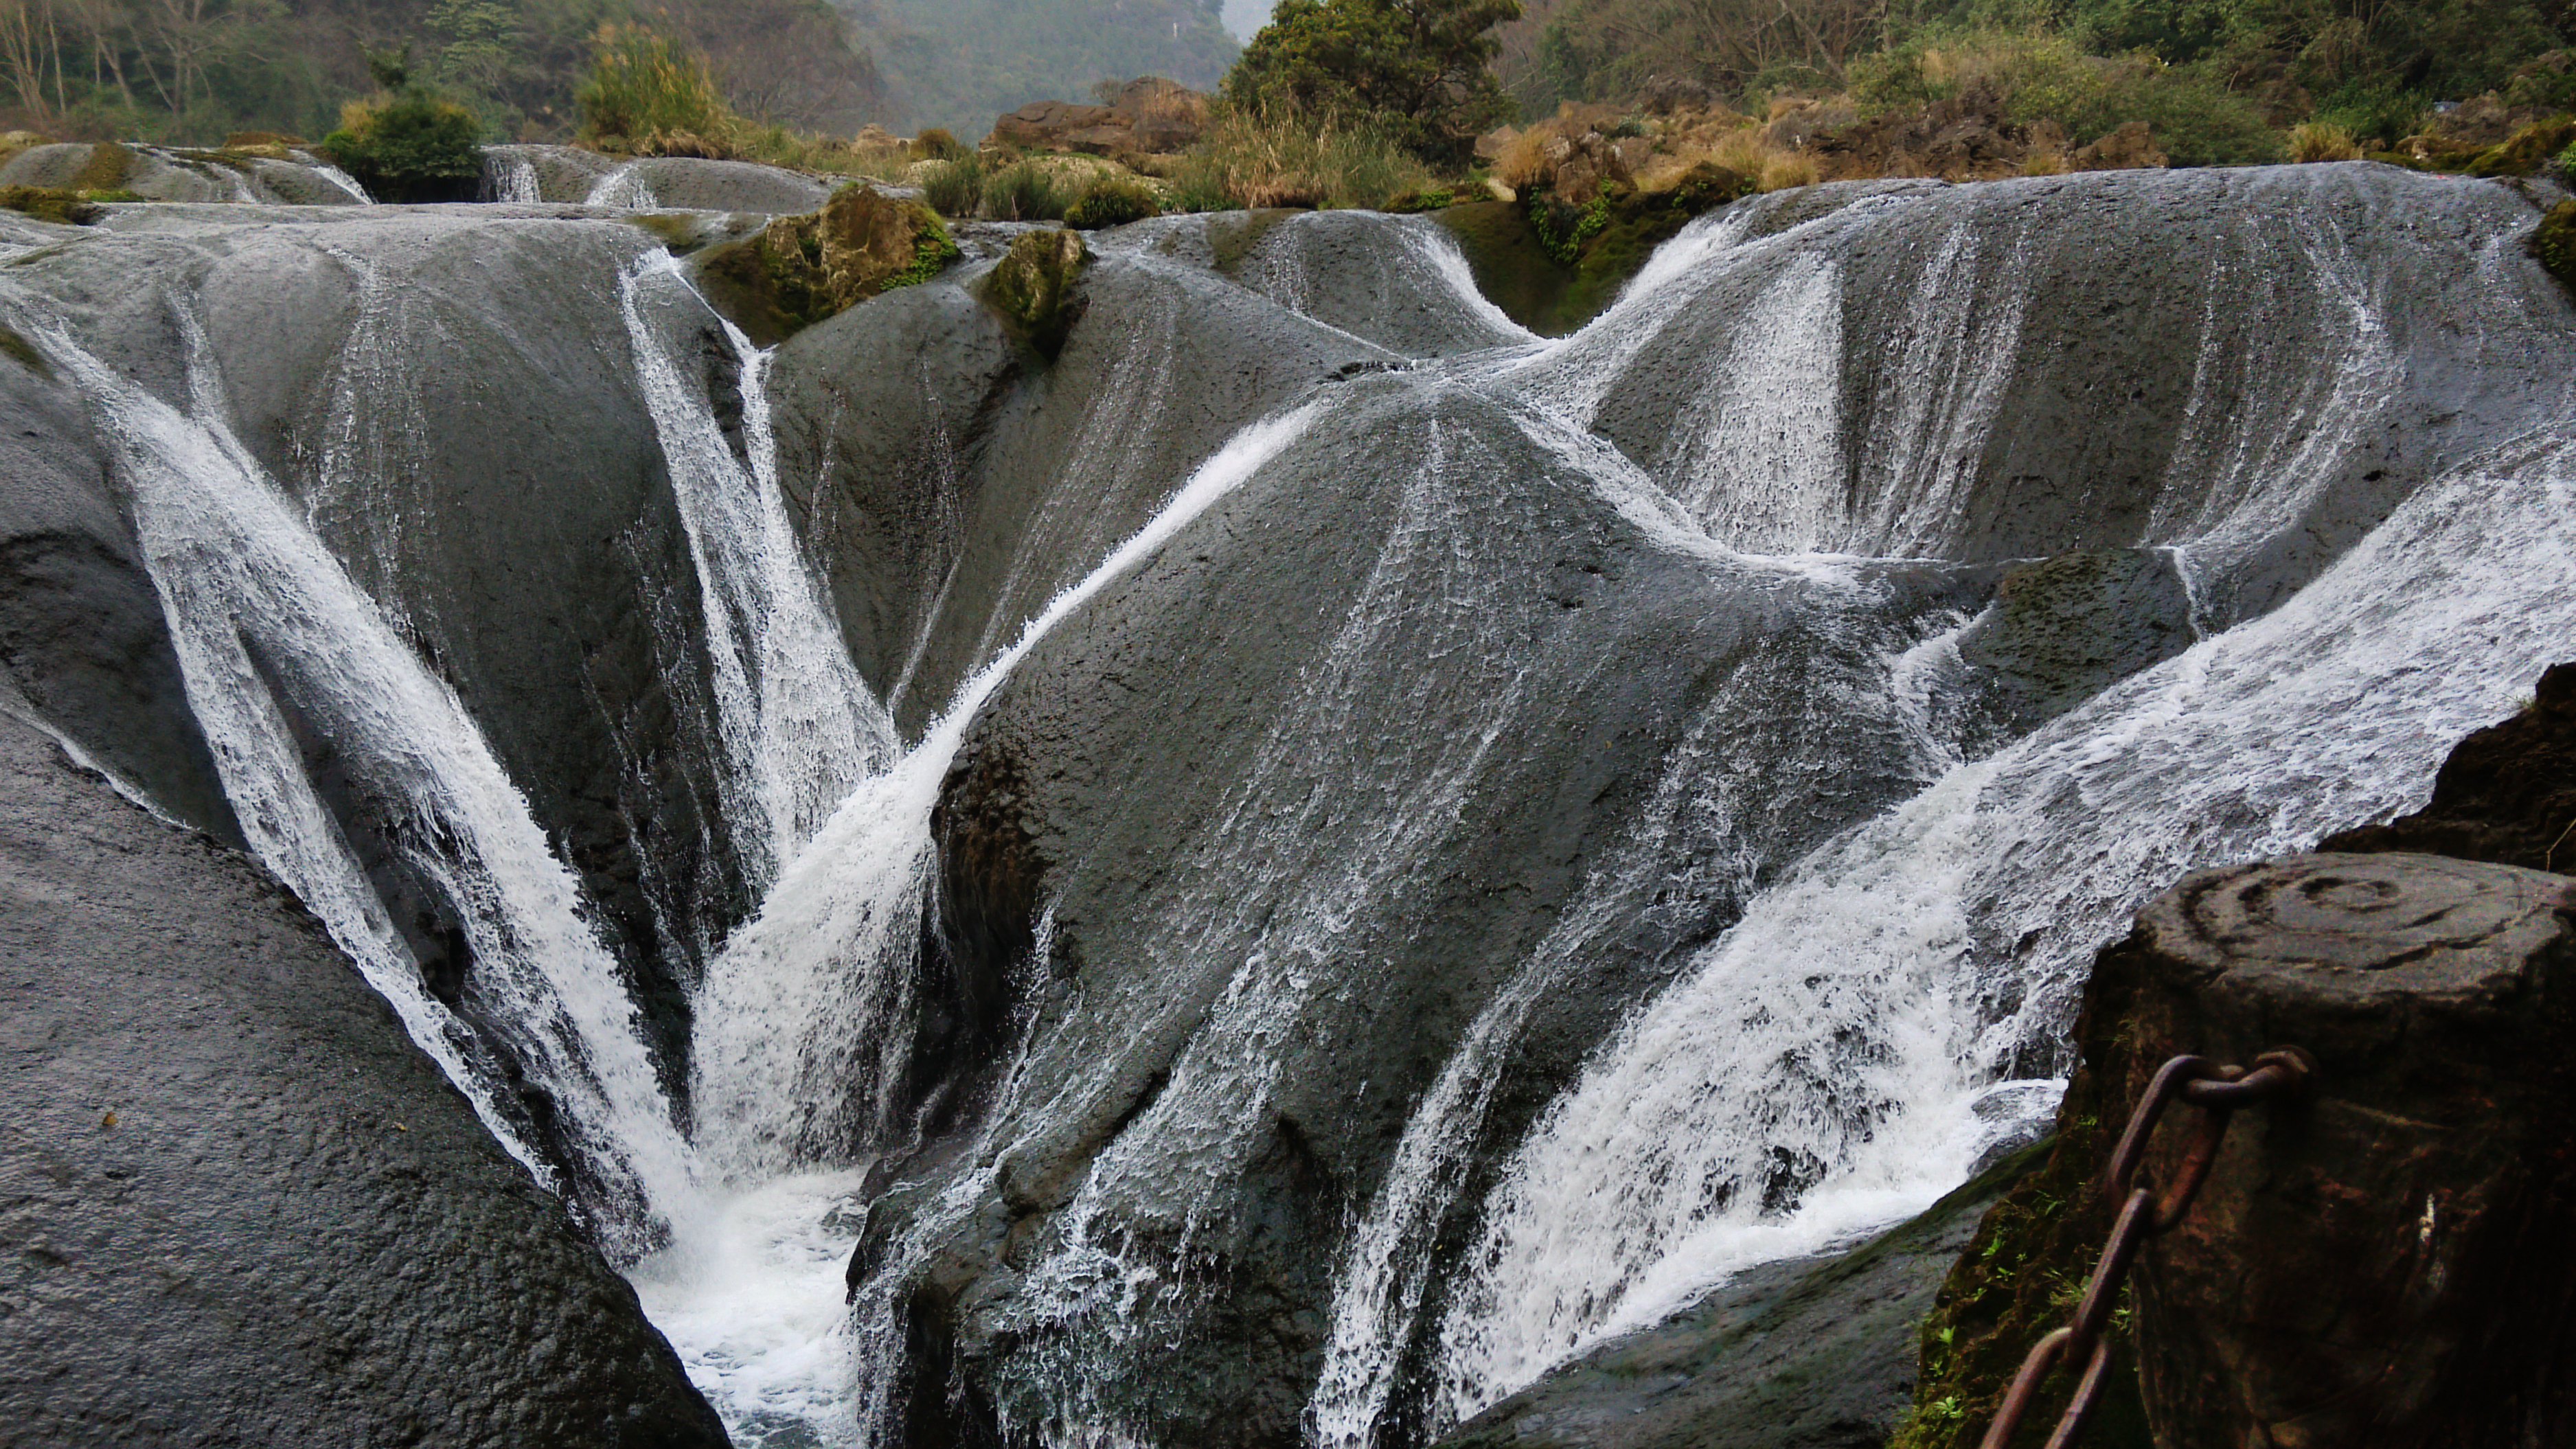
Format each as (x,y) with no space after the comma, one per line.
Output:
(1033,288)
(2527,150)
(1553,268)
(2018,1281)
(23,352)
(45,203)
(800,270)
(2554,242)
(109,166)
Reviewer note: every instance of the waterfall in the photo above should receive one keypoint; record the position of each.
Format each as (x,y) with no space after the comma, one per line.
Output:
(625,187)
(518,181)
(1837,1059)
(800,726)
(799,1025)
(339,178)
(264,621)
(1807,946)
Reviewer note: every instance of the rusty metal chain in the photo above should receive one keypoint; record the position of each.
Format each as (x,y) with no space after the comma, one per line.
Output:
(2144,1213)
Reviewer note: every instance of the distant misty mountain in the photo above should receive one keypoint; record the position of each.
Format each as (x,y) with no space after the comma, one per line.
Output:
(958,64)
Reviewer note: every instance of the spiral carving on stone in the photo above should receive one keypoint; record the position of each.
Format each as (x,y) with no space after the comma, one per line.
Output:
(2373,912)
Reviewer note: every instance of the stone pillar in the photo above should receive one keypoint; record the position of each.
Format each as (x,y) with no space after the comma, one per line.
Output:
(2390,1263)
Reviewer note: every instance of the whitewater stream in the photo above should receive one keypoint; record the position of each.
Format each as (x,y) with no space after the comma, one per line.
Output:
(1867,873)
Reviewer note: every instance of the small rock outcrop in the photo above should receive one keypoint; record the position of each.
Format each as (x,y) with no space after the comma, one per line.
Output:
(799,270)
(1032,287)
(1148,115)
(2507,794)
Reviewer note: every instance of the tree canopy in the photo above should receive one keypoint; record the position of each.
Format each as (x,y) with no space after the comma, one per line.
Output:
(1421,65)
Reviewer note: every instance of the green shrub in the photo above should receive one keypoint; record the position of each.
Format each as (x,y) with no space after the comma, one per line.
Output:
(1112,201)
(936,144)
(1277,157)
(409,144)
(955,188)
(1024,191)
(2554,243)
(1407,203)
(2378,115)
(2320,141)
(1415,67)
(2030,76)
(1563,229)
(642,85)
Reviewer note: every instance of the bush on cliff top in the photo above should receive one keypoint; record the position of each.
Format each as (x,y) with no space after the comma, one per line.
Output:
(643,88)
(408,143)
(1414,68)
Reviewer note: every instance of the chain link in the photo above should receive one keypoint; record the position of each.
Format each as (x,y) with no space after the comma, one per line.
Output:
(2143,1214)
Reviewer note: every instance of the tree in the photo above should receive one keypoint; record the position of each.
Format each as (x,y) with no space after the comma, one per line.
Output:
(1417,65)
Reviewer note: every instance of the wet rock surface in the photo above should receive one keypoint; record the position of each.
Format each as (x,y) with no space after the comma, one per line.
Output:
(1464,725)
(452,401)
(2507,794)
(1801,1354)
(236,1205)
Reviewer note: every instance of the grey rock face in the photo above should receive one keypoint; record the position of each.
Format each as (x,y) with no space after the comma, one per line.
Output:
(1452,732)
(676,183)
(1399,282)
(968,482)
(237,1207)
(164,174)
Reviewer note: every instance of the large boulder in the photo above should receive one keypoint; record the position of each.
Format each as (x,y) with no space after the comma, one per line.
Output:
(237,1205)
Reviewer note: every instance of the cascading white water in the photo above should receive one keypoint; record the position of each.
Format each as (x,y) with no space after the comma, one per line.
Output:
(624,187)
(1827,1065)
(1755,1112)
(800,727)
(257,609)
(797,1045)
(518,181)
(336,177)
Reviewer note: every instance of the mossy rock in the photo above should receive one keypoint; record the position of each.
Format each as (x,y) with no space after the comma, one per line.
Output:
(1112,201)
(1232,235)
(109,166)
(45,203)
(800,270)
(1034,288)
(15,346)
(2554,243)
(2527,150)
(1520,252)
